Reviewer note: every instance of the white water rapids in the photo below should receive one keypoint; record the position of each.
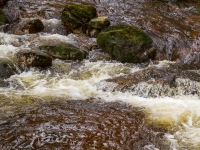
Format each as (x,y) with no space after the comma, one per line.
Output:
(180,115)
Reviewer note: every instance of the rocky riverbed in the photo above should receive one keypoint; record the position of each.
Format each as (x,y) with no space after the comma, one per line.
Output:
(99,74)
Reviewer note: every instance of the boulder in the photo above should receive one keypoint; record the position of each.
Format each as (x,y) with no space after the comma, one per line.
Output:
(96,25)
(33,58)
(33,26)
(3,18)
(126,44)
(75,17)
(64,51)
(6,70)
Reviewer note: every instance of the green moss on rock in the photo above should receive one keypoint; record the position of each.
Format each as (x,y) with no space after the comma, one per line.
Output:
(75,17)
(64,51)
(125,43)
(99,22)
(3,18)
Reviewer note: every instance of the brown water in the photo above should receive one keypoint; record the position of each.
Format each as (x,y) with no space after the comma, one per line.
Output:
(76,125)
(66,107)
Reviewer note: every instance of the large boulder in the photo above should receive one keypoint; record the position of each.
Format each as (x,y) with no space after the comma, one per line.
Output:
(33,58)
(33,26)
(64,51)
(3,18)
(126,44)
(75,17)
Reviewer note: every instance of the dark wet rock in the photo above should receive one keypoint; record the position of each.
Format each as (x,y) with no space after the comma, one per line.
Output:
(6,70)
(126,44)
(75,17)
(64,51)
(33,58)
(155,81)
(3,18)
(33,26)
(48,26)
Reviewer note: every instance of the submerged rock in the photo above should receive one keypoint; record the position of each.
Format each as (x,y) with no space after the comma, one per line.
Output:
(126,44)
(75,17)
(3,18)
(154,82)
(33,58)
(33,26)
(64,51)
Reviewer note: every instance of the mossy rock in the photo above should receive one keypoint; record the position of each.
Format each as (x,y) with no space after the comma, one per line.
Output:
(3,18)
(75,17)
(126,44)
(96,25)
(33,58)
(64,51)
(99,22)
(33,26)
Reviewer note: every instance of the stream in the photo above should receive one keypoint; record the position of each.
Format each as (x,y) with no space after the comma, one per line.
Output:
(70,106)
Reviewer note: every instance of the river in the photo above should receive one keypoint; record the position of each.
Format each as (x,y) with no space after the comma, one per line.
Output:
(70,106)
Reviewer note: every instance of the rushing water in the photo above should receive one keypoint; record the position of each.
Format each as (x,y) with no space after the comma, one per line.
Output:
(70,106)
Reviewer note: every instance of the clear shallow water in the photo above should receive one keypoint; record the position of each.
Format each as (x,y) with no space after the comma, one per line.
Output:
(69,106)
